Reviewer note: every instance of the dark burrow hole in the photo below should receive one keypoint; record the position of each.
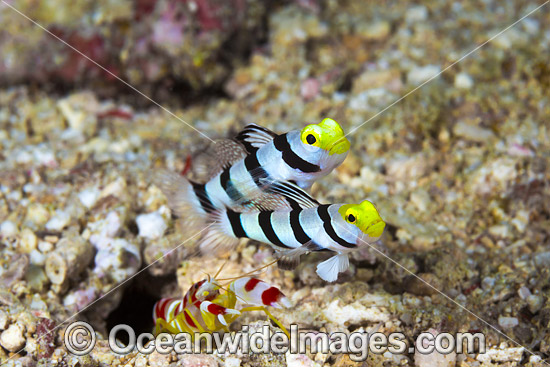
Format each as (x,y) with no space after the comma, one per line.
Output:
(136,307)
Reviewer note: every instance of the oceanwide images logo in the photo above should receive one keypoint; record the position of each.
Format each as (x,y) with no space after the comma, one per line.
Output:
(80,339)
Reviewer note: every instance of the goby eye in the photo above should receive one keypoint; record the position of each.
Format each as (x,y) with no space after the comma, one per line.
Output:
(311,139)
(351,218)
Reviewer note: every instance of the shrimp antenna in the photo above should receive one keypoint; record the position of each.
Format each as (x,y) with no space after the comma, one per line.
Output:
(207,276)
(251,272)
(220,269)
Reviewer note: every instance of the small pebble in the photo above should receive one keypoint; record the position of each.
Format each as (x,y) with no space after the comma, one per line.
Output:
(542,260)
(74,118)
(487,283)
(472,132)
(340,313)
(45,246)
(16,269)
(421,200)
(45,157)
(28,241)
(8,229)
(532,26)
(4,320)
(115,188)
(534,302)
(151,225)
(508,322)
(501,354)
(499,231)
(36,277)
(51,239)
(88,197)
(12,338)
(416,13)
(509,38)
(37,215)
(521,221)
(422,74)
(535,359)
(59,221)
(463,81)
(232,362)
(524,292)
(434,359)
(119,258)
(375,31)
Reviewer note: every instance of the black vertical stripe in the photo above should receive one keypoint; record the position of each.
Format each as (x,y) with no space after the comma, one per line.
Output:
(236,224)
(322,210)
(242,138)
(202,195)
(253,132)
(230,189)
(254,169)
(299,233)
(264,220)
(291,158)
(293,204)
(248,147)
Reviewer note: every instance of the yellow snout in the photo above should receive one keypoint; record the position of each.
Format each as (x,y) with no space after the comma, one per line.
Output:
(327,135)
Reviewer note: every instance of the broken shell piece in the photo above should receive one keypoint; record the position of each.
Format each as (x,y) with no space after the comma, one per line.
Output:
(70,257)
(16,270)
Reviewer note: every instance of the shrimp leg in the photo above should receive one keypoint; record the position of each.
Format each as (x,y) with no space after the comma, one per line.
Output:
(263,309)
(211,311)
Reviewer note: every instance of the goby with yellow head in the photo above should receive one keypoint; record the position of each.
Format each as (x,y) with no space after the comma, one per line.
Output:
(262,173)
(340,228)
(305,155)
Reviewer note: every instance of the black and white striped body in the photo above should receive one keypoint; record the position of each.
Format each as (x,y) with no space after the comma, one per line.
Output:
(321,228)
(294,232)
(285,158)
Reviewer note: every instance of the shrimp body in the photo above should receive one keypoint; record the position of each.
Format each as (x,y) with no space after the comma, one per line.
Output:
(204,308)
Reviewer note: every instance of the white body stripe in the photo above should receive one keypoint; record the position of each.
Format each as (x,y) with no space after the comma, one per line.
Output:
(280,222)
(313,226)
(252,227)
(242,180)
(217,194)
(271,160)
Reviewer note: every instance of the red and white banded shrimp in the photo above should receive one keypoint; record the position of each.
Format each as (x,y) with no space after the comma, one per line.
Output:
(208,306)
